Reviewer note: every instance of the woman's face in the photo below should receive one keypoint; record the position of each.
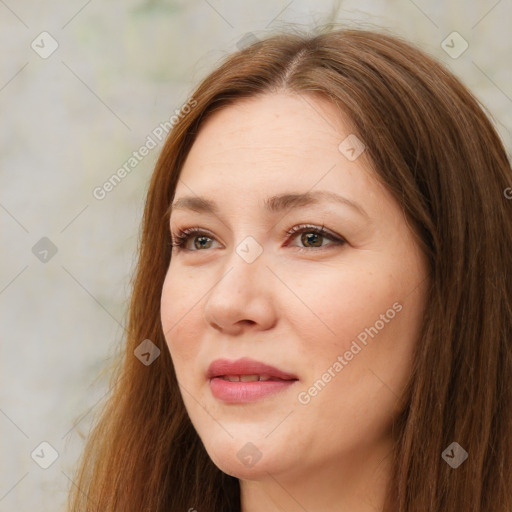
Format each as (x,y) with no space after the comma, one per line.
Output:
(339,312)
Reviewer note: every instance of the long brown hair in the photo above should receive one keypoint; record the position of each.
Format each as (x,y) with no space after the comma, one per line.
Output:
(433,146)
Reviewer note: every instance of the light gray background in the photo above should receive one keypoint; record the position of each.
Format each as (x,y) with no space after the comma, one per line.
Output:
(70,120)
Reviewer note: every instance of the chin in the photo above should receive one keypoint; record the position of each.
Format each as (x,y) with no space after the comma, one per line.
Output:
(245,459)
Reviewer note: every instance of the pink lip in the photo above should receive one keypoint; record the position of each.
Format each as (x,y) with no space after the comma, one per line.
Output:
(245,366)
(238,392)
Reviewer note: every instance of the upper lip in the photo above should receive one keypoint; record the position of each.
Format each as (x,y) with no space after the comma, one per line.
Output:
(245,366)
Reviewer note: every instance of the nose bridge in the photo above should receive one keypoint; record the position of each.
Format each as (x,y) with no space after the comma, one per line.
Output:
(243,290)
(249,250)
(245,264)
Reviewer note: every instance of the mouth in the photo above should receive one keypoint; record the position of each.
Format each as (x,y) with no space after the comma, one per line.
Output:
(250,378)
(246,380)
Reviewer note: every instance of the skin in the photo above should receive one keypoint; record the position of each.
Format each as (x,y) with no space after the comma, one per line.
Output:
(295,310)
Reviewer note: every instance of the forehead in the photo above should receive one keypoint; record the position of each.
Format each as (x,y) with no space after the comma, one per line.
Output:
(272,126)
(272,144)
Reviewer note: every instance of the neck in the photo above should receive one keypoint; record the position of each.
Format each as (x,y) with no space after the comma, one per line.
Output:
(357,483)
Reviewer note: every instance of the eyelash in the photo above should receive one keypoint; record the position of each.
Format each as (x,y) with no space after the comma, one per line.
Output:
(182,235)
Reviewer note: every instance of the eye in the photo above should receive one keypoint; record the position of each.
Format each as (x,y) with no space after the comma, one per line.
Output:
(182,236)
(311,236)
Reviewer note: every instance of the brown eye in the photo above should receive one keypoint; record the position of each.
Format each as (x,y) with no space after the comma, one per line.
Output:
(312,237)
(201,242)
(315,239)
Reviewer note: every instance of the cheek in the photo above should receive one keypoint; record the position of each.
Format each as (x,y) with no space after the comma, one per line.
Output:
(368,317)
(333,306)
(376,354)
(180,312)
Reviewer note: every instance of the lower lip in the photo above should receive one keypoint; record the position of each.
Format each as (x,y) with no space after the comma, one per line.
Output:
(239,392)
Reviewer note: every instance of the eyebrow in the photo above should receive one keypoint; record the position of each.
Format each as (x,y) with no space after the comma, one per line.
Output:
(274,204)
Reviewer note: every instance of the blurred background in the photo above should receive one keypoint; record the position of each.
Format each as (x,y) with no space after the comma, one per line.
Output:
(83,84)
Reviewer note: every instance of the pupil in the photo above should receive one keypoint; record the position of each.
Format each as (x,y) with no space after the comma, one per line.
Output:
(311,238)
(198,244)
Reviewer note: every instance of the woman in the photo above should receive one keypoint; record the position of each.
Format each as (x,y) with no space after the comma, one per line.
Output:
(323,295)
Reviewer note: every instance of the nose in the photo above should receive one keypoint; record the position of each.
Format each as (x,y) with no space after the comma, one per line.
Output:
(242,297)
